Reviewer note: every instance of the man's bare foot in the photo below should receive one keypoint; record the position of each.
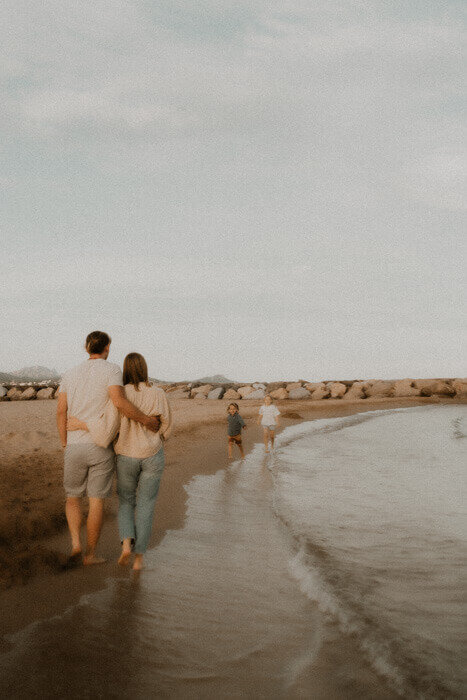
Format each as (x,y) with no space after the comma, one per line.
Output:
(91,559)
(74,559)
(138,562)
(124,558)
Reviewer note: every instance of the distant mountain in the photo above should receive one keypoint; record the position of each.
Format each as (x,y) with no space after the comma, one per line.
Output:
(215,379)
(35,374)
(7,377)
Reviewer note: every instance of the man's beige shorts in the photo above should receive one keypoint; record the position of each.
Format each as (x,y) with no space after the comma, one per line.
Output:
(89,469)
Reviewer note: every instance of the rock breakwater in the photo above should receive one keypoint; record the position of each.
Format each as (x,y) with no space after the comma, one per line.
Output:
(357,390)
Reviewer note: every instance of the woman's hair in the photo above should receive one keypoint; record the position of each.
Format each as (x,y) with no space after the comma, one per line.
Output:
(135,370)
(232,404)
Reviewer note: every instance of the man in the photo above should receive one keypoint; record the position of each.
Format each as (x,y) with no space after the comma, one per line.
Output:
(84,392)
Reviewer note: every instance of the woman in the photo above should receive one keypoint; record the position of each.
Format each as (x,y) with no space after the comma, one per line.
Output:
(140,457)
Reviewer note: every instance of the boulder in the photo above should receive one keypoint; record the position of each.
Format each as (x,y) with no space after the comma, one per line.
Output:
(232,395)
(279,394)
(14,394)
(175,387)
(244,390)
(216,393)
(355,392)
(272,386)
(203,389)
(258,385)
(45,393)
(406,387)
(299,393)
(426,386)
(444,388)
(293,385)
(180,394)
(337,390)
(312,386)
(460,387)
(3,392)
(322,392)
(198,396)
(379,389)
(258,394)
(28,394)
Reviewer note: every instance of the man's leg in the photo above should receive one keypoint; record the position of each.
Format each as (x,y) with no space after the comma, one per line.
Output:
(74,518)
(74,481)
(101,462)
(93,529)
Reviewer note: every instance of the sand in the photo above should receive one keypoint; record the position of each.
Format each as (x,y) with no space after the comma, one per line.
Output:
(33,536)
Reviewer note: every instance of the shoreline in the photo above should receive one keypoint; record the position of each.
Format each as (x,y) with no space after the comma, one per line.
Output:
(197,447)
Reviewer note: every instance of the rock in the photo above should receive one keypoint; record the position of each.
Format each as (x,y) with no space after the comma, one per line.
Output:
(322,392)
(258,394)
(245,390)
(3,392)
(337,390)
(28,394)
(279,394)
(204,389)
(299,393)
(379,388)
(293,385)
(426,386)
(312,386)
(216,393)
(444,388)
(180,394)
(355,392)
(46,393)
(460,387)
(272,386)
(198,396)
(231,395)
(406,387)
(258,385)
(14,394)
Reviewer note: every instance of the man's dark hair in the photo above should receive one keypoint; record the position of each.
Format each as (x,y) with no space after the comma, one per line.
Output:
(96,342)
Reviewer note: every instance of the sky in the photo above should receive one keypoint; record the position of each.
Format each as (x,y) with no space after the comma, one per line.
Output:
(267,190)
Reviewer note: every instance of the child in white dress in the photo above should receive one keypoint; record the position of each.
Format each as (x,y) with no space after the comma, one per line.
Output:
(268,414)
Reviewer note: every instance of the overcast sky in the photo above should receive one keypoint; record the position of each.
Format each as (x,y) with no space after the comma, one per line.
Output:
(264,189)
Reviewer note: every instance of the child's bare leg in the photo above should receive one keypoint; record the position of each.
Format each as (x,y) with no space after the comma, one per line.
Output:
(271,436)
(230,449)
(266,439)
(240,447)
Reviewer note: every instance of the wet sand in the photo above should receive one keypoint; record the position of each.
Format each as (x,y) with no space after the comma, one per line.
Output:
(198,446)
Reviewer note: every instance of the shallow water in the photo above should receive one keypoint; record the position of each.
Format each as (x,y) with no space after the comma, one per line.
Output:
(376,502)
(359,515)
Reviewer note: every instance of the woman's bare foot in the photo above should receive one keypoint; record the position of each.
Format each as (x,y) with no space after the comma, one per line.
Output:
(138,562)
(91,559)
(124,558)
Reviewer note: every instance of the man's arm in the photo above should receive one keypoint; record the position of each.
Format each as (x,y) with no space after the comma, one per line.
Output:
(130,411)
(62,410)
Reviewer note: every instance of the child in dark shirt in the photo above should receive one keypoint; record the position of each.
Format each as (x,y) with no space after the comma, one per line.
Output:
(234,429)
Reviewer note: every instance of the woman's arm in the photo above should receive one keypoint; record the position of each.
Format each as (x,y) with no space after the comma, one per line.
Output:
(165,416)
(76,424)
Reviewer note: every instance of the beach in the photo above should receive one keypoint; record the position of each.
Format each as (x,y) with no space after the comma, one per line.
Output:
(209,518)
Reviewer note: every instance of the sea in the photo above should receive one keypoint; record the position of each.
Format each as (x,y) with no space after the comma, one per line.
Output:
(334,567)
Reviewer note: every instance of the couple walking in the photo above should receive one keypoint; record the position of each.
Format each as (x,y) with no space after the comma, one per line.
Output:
(97,402)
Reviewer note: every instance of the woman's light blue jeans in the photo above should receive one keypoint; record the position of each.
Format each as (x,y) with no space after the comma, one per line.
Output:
(137,487)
